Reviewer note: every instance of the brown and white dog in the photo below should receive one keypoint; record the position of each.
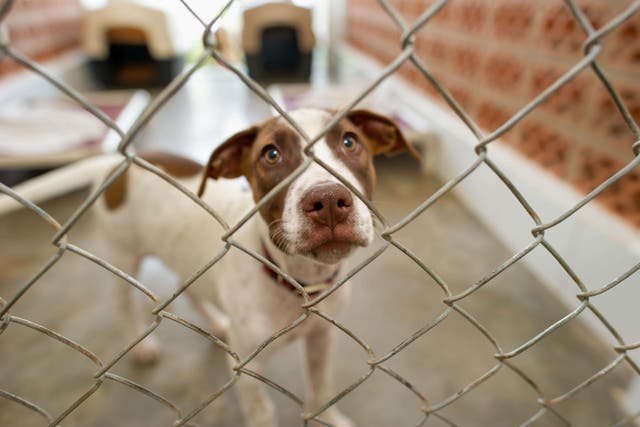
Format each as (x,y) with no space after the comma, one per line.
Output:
(308,229)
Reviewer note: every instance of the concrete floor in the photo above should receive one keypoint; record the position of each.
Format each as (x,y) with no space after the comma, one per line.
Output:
(392,299)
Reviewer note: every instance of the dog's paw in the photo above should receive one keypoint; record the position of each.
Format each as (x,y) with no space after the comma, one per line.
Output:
(147,352)
(337,418)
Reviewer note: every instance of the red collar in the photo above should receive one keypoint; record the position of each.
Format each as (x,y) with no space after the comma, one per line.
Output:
(313,289)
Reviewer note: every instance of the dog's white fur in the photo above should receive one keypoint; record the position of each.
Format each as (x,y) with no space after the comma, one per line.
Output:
(254,306)
(165,223)
(158,220)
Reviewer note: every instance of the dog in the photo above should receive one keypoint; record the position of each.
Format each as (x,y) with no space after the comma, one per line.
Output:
(308,229)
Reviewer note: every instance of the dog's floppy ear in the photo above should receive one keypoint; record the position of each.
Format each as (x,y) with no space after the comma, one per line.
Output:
(227,161)
(384,135)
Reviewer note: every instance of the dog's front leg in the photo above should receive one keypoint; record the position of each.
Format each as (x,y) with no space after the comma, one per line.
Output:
(257,407)
(319,347)
(135,319)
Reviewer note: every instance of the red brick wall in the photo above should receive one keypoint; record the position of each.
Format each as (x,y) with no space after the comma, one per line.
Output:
(495,56)
(41,29)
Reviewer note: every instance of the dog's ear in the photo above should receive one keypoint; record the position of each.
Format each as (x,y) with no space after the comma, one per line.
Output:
(384,135)
(227,161)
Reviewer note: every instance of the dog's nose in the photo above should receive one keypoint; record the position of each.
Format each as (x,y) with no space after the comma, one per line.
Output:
(327,204)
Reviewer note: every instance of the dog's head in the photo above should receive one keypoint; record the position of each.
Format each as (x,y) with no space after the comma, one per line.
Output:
(315,215)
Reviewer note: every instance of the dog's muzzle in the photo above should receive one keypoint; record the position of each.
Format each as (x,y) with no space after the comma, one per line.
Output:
(331,231)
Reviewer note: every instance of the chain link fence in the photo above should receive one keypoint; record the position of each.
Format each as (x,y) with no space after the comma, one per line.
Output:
(450,301)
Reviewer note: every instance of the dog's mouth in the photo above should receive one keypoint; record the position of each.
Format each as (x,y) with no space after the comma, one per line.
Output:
(331,252)
(320,243)
(330,246)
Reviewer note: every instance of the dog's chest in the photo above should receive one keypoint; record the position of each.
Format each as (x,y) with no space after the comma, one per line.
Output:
(256,302)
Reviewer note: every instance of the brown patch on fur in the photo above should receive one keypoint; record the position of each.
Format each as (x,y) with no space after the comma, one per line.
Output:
(263,176)
(116,193)
(360,159)
(228,160)
(244,154)
(176,166)
(383,134)
(374,134)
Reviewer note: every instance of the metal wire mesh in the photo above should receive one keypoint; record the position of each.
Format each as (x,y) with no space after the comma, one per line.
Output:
(450,301)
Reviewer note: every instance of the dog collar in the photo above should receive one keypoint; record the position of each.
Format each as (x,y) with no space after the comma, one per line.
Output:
(311,289)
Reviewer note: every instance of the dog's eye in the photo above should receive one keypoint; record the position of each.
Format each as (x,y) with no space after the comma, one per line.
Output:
(271,154)
(350,141)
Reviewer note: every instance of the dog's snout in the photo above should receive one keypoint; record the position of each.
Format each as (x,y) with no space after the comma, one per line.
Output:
(328,204)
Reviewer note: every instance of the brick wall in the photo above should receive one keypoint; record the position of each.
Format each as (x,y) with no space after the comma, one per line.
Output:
(495,56)
(42,29)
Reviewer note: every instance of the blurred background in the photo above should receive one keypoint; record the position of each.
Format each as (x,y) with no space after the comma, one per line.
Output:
(493,57)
